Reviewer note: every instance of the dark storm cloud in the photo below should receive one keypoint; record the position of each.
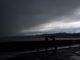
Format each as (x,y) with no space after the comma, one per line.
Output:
(46,10)
(24,14)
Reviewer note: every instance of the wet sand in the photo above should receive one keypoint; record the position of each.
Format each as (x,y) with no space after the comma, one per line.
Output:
(61,54)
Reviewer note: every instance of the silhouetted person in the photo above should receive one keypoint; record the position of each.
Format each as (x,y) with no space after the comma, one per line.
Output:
(53,40)
(46,46)
(46,37)
(54,44)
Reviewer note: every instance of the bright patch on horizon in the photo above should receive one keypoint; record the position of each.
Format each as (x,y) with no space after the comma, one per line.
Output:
(70,22)
(54,26)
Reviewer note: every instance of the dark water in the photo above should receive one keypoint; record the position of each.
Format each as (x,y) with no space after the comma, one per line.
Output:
(67,38)
(35,39)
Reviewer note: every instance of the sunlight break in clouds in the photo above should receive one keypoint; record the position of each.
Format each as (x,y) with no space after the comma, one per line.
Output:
(64,22)
(55,25)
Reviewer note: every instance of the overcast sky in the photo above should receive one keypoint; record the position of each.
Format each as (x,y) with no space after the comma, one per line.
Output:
(39,16)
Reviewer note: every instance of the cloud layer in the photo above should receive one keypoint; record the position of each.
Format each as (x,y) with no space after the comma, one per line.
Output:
(24,16)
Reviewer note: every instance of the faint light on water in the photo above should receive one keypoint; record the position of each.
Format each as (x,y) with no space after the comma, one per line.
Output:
(67,38)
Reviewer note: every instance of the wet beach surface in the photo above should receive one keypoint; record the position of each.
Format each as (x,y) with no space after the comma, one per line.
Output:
(61,54)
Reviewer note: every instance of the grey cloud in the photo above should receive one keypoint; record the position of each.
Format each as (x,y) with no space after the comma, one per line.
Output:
(24,14)
(46,10)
